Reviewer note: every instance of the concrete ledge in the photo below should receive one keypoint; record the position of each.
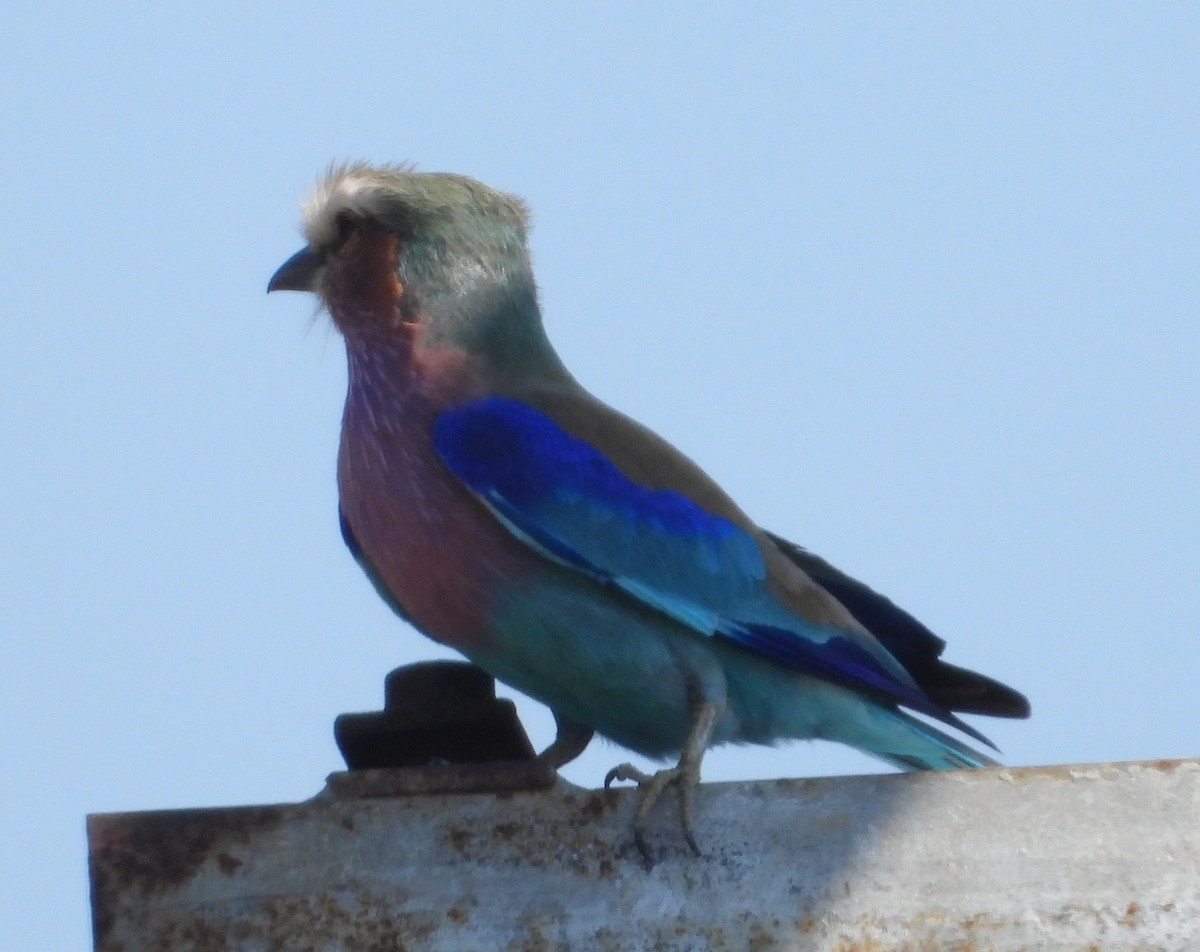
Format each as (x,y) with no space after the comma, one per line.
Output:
(1098,857)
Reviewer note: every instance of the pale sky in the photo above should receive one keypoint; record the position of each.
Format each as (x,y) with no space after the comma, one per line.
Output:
(918,284)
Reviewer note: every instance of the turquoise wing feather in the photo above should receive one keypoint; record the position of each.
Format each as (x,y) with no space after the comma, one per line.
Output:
(567,500)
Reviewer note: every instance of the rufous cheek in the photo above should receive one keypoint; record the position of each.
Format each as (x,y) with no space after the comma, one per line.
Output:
(363,283)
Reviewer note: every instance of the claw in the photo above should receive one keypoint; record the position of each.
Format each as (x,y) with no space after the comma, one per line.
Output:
(684,777)
(625,772)
(652,786)
(685,813)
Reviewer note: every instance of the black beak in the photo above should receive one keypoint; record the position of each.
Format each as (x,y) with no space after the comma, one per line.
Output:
(298,273)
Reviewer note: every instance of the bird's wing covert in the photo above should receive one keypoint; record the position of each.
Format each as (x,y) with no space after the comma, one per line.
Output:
(564,498)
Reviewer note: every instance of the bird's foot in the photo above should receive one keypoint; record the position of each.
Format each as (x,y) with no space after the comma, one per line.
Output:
(683,777)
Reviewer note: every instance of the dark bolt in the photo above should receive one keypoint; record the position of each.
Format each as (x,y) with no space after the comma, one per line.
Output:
(435,712)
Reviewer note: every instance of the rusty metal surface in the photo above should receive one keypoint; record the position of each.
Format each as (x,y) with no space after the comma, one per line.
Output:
(1100,857)
(500,776)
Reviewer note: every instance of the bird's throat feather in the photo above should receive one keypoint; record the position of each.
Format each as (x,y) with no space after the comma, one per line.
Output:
(440,553)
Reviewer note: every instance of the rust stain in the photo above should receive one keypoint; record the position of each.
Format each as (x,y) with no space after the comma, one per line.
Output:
(228,863)
(761,940)
(605,939)
(598,804)
(791,784)
(369,922)
(146,853)
(867,945)
(1133,916)
(459,838)
(533,941)
(506,831)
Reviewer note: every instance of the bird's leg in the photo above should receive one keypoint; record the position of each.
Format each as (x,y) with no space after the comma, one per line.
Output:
(569,742)
(684,776)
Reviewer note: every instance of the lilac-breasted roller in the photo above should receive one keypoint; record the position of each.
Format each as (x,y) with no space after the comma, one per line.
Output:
(504,511)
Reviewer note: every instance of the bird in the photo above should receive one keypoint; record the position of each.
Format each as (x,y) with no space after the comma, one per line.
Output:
(575,555)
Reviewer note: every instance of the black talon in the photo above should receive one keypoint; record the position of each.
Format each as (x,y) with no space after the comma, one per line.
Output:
(639,839)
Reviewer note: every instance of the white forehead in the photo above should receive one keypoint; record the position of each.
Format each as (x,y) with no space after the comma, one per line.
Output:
(356,188)
(399,198)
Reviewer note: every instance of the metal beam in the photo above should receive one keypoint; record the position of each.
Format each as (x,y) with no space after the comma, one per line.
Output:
(1103,856)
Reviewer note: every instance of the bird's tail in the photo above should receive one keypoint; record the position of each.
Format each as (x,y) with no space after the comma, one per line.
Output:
(911,744)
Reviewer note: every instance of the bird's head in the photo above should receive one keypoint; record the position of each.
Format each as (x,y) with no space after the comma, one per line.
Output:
(392,250)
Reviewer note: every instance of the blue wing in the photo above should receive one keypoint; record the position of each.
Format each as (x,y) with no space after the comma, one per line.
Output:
(563,497)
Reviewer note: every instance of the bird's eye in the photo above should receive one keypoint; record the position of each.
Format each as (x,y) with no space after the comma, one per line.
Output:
(346,224)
